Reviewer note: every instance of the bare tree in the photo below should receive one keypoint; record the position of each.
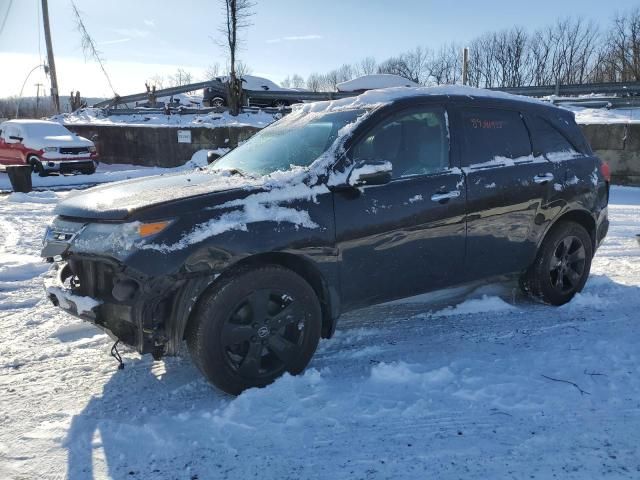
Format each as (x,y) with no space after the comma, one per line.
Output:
(621,53)
(315,81)
(212,71)
(181,77)
(89,46)
(412,65)
(237,14)
(367,66)
(157,80)
(297,81)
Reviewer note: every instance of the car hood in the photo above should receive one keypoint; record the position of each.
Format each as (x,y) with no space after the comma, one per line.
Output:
(58,141)
(117,201)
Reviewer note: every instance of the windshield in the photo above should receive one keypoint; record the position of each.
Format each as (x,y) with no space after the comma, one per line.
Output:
(296,140)
(39,130)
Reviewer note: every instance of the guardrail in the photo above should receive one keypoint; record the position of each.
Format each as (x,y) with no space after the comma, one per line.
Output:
(618,89)
(189,111)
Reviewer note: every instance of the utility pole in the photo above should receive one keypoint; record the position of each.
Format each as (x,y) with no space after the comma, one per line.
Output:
(38,85)
(52,64)
(465,66)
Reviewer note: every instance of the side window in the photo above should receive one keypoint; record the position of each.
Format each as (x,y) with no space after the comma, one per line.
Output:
(416,142)
(491,134)
(546,138)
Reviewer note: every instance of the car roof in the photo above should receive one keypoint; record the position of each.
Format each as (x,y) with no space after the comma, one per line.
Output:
(373,99)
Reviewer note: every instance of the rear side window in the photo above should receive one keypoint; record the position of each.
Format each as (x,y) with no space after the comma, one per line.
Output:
(546,138)
(493,134)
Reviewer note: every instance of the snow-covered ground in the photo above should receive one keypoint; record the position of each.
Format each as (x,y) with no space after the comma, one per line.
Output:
(473,385)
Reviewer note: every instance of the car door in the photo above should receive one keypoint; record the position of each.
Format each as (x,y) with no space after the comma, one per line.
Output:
(13,150)
(507,187)
(407,236)
(8,152)
(3,146)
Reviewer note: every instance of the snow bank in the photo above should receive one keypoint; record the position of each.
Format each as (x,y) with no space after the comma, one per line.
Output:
(586,116)
(97,116)
(486,304)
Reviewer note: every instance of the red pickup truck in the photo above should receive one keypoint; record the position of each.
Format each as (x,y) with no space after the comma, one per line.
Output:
(46,146)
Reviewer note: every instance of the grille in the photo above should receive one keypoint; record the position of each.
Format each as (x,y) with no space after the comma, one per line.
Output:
(73,150)
(93,279)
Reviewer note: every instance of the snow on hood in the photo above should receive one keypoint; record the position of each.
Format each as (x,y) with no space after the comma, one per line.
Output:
(370,82)
(57,141)
(117,200)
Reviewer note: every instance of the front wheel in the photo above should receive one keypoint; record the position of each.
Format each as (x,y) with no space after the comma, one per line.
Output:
(562,265)
(255,326)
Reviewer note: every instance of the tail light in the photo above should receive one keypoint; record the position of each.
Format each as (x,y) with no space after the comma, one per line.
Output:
(605,171)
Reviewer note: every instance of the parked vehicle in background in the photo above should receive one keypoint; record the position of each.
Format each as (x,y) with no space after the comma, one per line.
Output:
(337,206)
(213,98)
(375,81)
(46,146)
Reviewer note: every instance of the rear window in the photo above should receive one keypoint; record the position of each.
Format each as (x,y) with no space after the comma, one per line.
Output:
(547,138)
(491,134)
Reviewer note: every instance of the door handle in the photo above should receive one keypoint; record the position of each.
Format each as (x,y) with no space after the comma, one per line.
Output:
(445,196)
(547,177)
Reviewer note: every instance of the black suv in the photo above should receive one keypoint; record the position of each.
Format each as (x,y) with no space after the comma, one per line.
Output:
(337,206)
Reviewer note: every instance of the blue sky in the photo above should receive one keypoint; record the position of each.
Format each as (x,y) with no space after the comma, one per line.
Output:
(141,38)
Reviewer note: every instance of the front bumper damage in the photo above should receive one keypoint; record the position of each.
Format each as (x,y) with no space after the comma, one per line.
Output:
(128,306)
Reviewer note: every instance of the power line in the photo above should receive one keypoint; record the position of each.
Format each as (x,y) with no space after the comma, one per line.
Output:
(6,15)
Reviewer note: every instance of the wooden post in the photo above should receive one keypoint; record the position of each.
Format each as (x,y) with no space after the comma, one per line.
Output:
(52,64)
(465,66)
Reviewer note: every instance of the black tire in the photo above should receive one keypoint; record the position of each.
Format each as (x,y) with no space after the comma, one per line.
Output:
(562,264)
(89,170)
(253,327)
(217,102)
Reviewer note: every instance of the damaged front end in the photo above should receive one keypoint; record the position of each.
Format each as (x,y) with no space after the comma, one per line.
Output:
(137,309)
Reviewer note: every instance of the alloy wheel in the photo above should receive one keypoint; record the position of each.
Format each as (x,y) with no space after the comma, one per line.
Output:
(567,264)
(264,334)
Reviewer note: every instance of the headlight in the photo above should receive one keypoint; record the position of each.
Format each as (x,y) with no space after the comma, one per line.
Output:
(92,149)
(50,149)
(116,238)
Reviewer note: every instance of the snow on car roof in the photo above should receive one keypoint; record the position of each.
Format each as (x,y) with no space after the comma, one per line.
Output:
(374,81)
(377,98)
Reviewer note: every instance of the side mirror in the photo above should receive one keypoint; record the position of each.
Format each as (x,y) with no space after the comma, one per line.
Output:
(212,157)
(370,172)
(14,139)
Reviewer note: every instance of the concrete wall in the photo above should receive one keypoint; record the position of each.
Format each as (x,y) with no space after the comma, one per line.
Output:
(159,146)
(618,145)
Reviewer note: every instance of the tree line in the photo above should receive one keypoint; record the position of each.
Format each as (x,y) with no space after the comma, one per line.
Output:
(568,51)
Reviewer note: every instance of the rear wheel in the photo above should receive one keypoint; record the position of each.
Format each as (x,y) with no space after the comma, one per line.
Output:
(562,265)
(254,327)
(217,102)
